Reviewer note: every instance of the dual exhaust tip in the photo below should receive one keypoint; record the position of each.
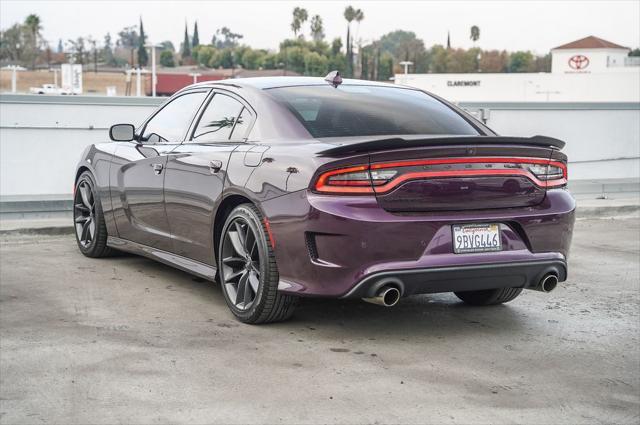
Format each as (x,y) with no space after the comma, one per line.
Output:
(389,295)
(547,284)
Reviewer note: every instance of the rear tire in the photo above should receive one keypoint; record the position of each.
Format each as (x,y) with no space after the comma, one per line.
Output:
(88,219)
(489,296)
(247,269)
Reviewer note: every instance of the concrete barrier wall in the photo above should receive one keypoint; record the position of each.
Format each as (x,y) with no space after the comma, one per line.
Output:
(42,137)
(603,139)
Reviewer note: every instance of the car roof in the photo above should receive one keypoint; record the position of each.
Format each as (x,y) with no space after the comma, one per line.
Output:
(286,81)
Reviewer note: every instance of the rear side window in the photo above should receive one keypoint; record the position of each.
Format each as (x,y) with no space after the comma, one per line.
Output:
(370,111)
(242,125)
(218,119)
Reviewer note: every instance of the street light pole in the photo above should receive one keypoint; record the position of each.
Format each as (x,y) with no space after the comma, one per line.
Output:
(406,65)
(14,76)
(153,67)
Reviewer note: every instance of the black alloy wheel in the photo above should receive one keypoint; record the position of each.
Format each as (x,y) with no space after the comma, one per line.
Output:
(247,269)
(88,220)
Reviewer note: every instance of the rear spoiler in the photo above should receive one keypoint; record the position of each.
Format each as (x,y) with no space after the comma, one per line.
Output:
(368,145)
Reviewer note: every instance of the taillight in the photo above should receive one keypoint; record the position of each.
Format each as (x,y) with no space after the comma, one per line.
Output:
(345,180)
(549,172)
(385,176)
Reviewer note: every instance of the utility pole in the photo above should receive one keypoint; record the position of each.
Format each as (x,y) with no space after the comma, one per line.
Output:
(138,88)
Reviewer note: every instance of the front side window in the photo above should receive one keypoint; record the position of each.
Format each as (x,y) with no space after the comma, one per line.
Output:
(171,123)
(344,111)
(218,119)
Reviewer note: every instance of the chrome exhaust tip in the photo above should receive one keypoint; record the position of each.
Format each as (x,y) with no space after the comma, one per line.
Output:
(387,296)
(547,284)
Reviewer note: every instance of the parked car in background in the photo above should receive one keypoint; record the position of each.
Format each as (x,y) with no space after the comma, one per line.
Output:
(48,89)
(287,187)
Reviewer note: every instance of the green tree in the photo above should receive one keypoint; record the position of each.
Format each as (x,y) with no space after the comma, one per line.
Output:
(336,46)
(195,41)
(60,47)
(107,50)
(12,45)
(143,57)
(224,38)
(78,49)
(167,45)
(202,54)
(317,28)
(300,16)
(128,39)
(166,59)
(185,52)
(405,46)
(521,62)
(253,58)
(315,64)
(635,52)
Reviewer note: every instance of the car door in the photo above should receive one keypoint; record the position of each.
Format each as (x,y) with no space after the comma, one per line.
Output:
(138,194)
(196,174)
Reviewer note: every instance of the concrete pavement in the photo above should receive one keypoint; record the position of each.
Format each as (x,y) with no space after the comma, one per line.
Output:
(127,340)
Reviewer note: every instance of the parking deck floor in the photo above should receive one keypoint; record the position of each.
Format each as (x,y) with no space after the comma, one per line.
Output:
(129,340)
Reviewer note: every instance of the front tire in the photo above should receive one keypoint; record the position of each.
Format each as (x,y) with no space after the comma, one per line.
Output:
(489,296)
(88,219)
(248,271)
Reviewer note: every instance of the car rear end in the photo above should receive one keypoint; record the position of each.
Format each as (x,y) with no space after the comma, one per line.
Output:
(426,213)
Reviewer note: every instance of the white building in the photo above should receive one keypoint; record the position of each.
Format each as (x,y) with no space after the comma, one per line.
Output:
(586,70)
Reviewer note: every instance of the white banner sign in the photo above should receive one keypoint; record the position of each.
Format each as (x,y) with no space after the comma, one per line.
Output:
(72,78)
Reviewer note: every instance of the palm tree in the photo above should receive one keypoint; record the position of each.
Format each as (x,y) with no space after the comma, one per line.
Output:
(358,18)
(300,16)
(33,23)
(475,34)
(317,28)
(349,14)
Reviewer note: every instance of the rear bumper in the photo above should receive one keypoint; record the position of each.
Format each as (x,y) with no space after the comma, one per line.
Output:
(329,245)
(460,278)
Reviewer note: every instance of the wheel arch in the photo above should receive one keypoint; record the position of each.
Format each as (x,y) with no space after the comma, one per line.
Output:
(226,206)
(81,169)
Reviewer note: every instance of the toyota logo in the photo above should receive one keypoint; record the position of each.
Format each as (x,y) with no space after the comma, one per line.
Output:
(578,62)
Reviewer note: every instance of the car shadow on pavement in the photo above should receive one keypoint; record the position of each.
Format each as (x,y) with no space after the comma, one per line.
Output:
(431,314)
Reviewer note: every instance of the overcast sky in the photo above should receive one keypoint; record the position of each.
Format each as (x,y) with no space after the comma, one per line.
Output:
(511,25)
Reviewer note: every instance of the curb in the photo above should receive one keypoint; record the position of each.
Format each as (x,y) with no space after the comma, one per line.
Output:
(622,211)
(47,231)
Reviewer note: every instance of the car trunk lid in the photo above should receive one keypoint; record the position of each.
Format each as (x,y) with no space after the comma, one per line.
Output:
(460,177)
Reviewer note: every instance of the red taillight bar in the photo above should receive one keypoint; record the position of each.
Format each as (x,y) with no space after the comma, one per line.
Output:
(322,185)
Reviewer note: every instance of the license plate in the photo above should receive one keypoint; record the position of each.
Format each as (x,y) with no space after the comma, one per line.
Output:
(476,238)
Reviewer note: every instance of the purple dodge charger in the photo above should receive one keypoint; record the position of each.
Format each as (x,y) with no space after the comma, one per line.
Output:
(285,187)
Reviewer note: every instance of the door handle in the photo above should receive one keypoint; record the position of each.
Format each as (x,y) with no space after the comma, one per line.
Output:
(157,168)
(215,166)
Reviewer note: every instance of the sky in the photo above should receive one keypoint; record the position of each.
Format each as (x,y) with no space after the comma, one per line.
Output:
(511,25)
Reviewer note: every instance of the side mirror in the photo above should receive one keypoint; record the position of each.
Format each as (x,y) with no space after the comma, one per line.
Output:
(122,132)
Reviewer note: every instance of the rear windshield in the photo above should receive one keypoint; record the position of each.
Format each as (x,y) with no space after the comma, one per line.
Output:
(370,111)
